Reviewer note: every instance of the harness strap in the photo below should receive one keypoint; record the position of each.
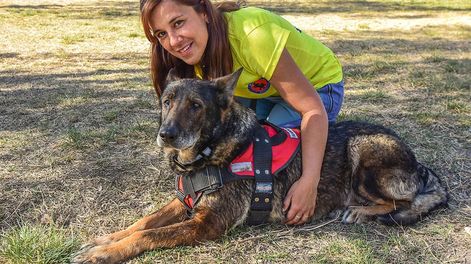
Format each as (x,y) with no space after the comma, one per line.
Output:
(207,180)
(191,187)
(261,206)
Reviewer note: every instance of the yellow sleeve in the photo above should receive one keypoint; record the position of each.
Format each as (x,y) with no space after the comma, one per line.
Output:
(262,48)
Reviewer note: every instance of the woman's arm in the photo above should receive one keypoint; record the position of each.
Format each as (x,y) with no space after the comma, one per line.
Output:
(296,90)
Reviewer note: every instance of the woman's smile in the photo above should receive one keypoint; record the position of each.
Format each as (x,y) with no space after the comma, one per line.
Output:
(180,30)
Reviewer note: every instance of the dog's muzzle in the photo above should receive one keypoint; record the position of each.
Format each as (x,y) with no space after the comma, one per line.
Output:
(175,138)
(167,135)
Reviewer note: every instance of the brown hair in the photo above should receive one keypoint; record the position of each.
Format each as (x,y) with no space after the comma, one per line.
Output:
(217,59)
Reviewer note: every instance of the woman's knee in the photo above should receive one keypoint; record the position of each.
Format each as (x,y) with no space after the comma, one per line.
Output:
(284,115)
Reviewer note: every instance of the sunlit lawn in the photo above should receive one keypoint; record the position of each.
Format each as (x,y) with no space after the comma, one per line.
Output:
(78,120)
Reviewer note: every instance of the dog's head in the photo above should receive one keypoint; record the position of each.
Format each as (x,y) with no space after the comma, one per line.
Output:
(193,110)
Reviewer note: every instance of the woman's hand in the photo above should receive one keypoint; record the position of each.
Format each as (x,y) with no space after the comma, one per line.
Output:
(300,201)
(297,91)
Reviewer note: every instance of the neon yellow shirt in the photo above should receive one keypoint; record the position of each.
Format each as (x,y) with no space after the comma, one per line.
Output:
(257,38)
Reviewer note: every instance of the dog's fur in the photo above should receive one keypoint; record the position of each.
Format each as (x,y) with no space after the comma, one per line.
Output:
(368,172)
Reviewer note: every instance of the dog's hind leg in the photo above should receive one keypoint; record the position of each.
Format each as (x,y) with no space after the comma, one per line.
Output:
(382,191)
(408,194)
(173,212)
(385,172)
(205,225)
(431,194)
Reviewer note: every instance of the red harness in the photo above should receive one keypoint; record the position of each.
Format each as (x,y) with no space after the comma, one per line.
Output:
(285,145)
(282,153)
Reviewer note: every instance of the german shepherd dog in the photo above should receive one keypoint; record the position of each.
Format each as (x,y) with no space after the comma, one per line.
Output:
(368,173)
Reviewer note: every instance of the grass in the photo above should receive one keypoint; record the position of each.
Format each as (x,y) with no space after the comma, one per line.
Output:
(79,120)
(349,251)
(111,116)
(76,138)
(37,244)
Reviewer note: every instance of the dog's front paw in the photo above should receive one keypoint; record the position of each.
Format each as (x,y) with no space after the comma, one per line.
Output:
(91,254)
(86,247)
(353,215)
(104,240)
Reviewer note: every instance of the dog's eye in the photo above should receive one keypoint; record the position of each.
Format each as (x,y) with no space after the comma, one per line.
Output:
(196,106)
(167,102)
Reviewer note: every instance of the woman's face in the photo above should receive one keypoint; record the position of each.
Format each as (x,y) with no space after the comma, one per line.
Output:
(180,30)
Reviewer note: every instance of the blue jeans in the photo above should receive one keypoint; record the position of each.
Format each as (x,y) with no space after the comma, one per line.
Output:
(280,113)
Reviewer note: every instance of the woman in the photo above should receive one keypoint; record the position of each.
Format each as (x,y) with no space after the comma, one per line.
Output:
(283,69)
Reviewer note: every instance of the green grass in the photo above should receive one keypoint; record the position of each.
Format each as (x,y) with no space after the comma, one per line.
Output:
(111,116)
(69,40)
(27,12)
(427,118)
(76,138)
(143,130)
(372,95)
(135,35)
(37,244)
(274,256)
(143,104)
(349,251)
(358,116)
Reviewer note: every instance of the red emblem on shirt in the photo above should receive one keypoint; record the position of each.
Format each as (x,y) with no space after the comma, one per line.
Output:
(259,86)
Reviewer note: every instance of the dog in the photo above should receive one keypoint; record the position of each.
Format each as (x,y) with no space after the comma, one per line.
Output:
(368,172)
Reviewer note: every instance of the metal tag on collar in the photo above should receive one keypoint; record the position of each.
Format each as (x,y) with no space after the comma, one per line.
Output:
(206,152)
(203,154)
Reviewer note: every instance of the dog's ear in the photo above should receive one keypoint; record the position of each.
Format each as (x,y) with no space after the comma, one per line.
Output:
(228,82)
(171,76)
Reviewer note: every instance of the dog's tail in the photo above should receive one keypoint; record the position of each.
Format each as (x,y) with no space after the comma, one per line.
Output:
(431,195)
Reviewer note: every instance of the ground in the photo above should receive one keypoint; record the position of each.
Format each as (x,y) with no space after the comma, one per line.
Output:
(78,120)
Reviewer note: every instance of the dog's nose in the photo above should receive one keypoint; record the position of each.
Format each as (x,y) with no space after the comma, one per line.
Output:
(168,134)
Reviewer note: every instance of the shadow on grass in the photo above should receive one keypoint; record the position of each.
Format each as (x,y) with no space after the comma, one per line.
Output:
(378,45)
(83,134)
(9,55)
(27,98)
(101,9)
(13,78)
(43,7)
(87,187)
(113,10)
